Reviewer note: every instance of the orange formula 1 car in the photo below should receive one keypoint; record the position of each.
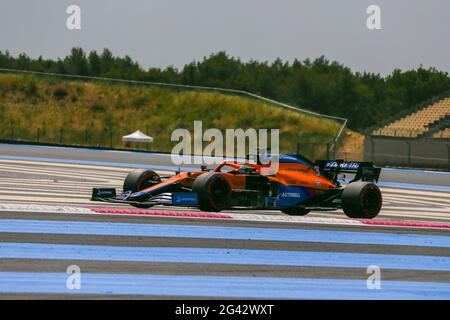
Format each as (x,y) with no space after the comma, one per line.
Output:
(298,187)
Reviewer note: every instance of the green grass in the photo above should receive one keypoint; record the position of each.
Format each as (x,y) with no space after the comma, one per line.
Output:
(98,113)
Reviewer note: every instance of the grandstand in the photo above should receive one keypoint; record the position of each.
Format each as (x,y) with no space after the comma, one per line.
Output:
(442,134)
(420,139)
(433,121)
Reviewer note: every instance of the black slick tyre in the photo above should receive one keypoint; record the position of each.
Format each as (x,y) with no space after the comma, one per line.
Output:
(293,211)
(213,191)
(361,200)
(138,180)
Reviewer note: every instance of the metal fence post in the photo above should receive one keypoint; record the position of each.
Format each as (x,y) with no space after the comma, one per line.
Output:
(448,156)
(372,149)
(409,153)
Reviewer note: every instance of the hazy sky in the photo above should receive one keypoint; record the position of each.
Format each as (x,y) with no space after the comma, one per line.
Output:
(158,33)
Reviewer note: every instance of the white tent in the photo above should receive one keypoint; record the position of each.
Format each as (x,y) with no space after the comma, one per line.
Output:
(137,136)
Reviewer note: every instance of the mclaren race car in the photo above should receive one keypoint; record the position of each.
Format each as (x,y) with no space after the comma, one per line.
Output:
(298,187)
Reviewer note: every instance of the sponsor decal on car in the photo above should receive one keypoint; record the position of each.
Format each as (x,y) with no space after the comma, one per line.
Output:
(105,192)
(343,165)
(290,195)
(184,198)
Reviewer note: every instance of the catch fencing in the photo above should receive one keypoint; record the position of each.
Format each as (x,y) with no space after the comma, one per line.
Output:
(112,139)
(334,145)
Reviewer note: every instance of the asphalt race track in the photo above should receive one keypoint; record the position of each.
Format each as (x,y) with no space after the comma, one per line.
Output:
(47,223)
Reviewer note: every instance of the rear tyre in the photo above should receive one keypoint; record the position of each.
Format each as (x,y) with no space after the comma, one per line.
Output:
(138,180)
(213,190)
(292,211)
(361,200)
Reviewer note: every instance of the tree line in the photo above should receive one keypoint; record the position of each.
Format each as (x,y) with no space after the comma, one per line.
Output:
(320,85)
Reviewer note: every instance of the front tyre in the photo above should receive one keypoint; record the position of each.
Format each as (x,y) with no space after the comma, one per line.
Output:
(138,180)
(361,200)
(213,190)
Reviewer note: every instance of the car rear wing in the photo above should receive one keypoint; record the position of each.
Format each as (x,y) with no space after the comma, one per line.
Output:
(364,171)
